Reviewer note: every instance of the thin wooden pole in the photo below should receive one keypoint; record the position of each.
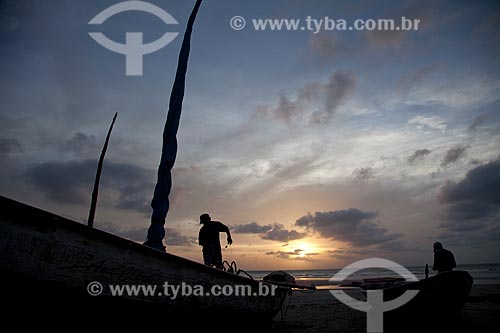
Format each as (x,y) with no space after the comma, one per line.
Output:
(95,191)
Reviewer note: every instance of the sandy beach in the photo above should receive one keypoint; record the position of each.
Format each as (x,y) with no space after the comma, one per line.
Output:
(319,311)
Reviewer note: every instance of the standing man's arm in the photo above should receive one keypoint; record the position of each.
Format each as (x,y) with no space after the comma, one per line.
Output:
(226,230)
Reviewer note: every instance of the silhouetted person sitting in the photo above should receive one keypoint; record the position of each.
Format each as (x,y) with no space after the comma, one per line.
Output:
(209,239)
(444,260)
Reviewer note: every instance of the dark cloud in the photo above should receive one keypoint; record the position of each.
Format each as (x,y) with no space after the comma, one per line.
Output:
(317,102)
(323,44)
(480,187)
(136,196)
(275,232)
(340,86)
(422,10)
(472,205)
(9,146)
(280,234)
(81,143)
(382,38)
(364,173)
(475,238)
(409,81)
(176,238)
(398,246)
(65,182)
(72,182)
(453,155)
(297,254)
(475,161)
(418,156)
(478,121)
(251,228)
(287,109)
(172,237)
(296,167)
(344,253)
(350,225)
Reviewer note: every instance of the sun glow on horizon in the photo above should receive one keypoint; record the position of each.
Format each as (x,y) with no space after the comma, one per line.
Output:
(304,248)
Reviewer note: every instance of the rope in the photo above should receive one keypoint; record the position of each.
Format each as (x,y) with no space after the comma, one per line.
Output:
(242,271)
(233,268)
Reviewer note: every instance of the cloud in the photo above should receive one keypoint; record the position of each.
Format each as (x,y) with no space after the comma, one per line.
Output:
(9,146)
(344,253)
(280,234)
(472,205)
(136,196)
(72,182)
(65,182)
(418,156)
(350,225)
(323,44)
(478,121)
(423,11)
(453,155)
(382,38)
(285,110)
(251,228)
(480,188)
(81,143)
(408,81)
(297,254)
(172,237)
(340,86)
(275,232)
(432,122)
(316,102)
(364,173)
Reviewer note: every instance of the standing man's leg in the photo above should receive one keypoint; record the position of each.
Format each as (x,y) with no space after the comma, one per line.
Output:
(218,258)
(208,255)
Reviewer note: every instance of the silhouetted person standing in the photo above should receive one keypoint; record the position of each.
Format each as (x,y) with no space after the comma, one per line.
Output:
(208,238)
(444,260)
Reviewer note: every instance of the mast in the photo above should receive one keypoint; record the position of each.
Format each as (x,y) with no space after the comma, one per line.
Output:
(95,191)
(160,202)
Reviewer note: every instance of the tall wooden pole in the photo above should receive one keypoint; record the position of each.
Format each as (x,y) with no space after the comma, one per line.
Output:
(95,191)
(160,202)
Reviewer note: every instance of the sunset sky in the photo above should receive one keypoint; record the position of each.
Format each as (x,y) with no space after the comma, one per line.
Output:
(316,149)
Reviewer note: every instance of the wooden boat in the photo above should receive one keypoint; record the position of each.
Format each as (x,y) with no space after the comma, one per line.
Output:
(48,259)
(436,306)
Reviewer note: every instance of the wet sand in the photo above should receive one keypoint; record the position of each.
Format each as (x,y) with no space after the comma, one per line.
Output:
(321,312)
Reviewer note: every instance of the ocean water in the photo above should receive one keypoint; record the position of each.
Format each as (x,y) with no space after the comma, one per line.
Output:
(482,274)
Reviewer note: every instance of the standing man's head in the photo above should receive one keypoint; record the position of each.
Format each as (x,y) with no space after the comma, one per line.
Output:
(437,246)
(205,218)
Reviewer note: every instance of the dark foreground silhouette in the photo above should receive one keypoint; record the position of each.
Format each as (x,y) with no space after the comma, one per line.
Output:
(208,238)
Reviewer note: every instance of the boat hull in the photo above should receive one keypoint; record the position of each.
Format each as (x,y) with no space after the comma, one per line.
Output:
(436,306)
(47,257)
